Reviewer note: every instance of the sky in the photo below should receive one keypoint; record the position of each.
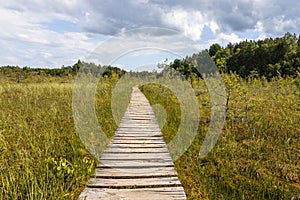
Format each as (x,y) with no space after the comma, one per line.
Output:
(52,33)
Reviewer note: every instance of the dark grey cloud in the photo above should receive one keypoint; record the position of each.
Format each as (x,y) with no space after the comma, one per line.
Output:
(232,16)
(270,16)
(111,17)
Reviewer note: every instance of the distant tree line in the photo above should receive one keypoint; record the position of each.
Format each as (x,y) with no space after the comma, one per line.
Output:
(18,74)
(263,58)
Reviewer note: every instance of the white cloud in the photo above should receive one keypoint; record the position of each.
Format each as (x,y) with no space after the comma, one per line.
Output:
(214,27)
(190,23)
(227,38)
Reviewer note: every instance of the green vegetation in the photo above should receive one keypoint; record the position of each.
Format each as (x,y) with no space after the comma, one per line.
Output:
(9,74)
(257,155)
(40,154)
(41,158)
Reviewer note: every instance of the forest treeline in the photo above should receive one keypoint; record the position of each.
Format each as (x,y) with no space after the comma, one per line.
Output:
(271,57)
(25,74)
(263,58)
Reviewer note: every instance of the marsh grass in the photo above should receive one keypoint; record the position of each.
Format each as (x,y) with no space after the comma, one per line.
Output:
(257,155)
(40,154)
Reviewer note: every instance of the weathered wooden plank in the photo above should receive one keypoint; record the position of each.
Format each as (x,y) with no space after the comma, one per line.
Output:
(129,123)
(135,163)
(131,156)
(134,112)
(130,120)
(166,193)
(135,182)
(138,129)
(142,123)
(138,132)
(128,145)
(149,141)
(139,117)
(135,141)
(135,172)
(136,137)
(139,125)
(136,150)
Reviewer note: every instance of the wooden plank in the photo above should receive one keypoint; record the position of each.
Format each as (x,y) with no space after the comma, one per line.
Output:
(135,172)
(153,134)
(128,145)
(139,133)
(142,122)
(139,117)
(135,182)
(150,119)
(136,150)
(136,141)
(151,122)
(167,193)
(135,137)
(131,156)
(129,123)
(138,137)
(134,112)
(138,129)
(135,163)
(139,124)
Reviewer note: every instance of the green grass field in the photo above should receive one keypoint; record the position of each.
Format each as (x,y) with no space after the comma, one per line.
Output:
(257,156)
(40,154)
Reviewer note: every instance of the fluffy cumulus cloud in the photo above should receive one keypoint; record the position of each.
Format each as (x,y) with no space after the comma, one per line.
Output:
(56,32)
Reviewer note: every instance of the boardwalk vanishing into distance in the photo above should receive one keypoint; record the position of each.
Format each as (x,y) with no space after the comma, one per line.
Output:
(136,163)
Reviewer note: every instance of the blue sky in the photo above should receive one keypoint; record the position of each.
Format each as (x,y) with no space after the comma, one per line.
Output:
(59,32)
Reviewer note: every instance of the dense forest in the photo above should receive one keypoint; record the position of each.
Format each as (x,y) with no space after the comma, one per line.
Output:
(263,58)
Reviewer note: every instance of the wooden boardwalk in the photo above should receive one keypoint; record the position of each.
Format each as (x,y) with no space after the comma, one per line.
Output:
(136,163)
